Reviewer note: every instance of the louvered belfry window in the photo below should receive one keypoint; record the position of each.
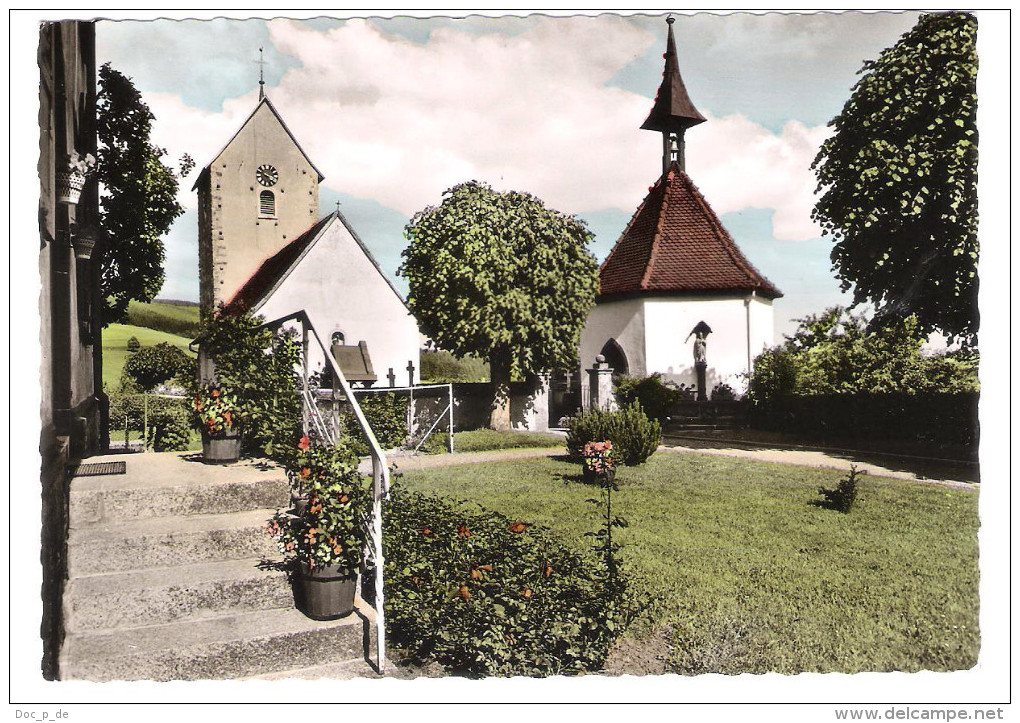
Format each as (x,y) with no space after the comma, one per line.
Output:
(267,204)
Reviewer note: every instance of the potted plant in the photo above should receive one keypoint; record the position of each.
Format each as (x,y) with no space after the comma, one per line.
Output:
(71,180)
(218,418)
(321,540)
(598,461)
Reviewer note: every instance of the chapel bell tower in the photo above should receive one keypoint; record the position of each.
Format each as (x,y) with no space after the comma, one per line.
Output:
(673,112)
(257,195)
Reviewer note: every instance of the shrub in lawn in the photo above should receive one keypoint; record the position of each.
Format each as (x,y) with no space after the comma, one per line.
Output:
(656,398)
(842,498)
(133,345)
(635,437)
(483,594)
(723,393)
(169,428)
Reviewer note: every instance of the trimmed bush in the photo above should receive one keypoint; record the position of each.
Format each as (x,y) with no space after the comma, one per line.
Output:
(482,594)
(133,345)
(151,366)
(842,498)
(723,393)
(634,436)
(169,428)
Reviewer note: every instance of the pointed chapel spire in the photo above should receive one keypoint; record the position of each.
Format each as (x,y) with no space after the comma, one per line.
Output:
(673,112)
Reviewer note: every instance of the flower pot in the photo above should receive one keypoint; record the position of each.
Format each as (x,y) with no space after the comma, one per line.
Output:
(325,593)
(69,186)
(224,448)
(298,504)
(83,246)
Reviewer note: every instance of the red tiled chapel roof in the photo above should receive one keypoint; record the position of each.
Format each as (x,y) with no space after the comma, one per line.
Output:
(676,244)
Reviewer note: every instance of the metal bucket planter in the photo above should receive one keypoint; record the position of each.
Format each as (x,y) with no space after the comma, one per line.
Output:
(221,448)
(325,593)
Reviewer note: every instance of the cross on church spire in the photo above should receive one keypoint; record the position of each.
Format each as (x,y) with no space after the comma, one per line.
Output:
(262,81)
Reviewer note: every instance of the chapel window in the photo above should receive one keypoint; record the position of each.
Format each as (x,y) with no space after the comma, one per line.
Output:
(267,204)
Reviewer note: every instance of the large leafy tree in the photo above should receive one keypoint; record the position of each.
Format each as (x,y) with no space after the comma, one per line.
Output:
(139,195)
(502,277)
(899,180)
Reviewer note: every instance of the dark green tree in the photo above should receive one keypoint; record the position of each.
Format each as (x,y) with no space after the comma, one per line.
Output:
(502,277)
(139,198)
(898,180)
(151,366)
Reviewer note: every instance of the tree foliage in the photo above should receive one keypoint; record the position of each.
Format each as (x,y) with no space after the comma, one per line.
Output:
(898,179)
(139,196)
(502,277)
(836,353)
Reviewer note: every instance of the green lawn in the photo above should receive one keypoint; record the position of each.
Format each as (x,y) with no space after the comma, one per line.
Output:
(115,338)
(744,574)
(481,440)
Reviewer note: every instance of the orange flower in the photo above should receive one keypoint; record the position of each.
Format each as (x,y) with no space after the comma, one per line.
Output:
(316,506)
(310,535)
(227,418)
(426,531)
(464,593)
(304,443)
(526,593)
(215,393)
(344,498)
(305,472)
(547,572)
(518,527)
(463,531)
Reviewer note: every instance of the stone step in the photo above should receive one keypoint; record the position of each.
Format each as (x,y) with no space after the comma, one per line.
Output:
(335,671)
(174,485)
(167,594)
(167,541)
(226,647)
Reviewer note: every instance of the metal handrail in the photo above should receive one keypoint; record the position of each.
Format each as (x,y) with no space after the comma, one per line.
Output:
(380,473)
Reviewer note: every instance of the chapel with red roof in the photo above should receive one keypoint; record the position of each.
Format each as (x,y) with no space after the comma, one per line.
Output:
(676,266)
(263,248)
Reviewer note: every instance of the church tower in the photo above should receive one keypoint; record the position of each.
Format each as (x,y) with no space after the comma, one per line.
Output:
(257,195)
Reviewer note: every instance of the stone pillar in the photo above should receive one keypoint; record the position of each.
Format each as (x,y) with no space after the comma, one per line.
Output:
(699,368)
(600,384)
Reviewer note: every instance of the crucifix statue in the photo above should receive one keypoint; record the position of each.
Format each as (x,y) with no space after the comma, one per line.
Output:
(410,373)
(392,377)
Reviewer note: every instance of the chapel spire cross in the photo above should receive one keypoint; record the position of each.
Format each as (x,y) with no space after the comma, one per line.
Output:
(673,112)
(262,81)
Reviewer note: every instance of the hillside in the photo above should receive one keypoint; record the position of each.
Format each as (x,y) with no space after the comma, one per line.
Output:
(115,338)
(170,316)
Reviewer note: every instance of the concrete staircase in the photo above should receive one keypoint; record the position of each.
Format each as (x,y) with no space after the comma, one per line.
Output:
(166,581)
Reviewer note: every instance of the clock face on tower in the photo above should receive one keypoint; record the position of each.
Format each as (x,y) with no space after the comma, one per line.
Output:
(267,175)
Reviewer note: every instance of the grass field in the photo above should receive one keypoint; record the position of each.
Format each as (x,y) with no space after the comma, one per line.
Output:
(173,317)
(743,574)
(480,440)
(115,338)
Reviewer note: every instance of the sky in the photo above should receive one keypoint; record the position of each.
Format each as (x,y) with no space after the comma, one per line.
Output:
(394,111)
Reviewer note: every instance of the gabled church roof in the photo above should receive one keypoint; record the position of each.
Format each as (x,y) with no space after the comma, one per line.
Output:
(275,269)
(263,101)
(675,243)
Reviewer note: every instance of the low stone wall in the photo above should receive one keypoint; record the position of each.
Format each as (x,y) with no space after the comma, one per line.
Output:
(529,405)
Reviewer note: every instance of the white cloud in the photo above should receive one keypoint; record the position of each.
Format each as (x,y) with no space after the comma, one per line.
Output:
(399,122)
(739,164)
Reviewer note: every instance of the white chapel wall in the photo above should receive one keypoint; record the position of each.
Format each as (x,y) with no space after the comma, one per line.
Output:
(342,290)
(622,320)
(669,320)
